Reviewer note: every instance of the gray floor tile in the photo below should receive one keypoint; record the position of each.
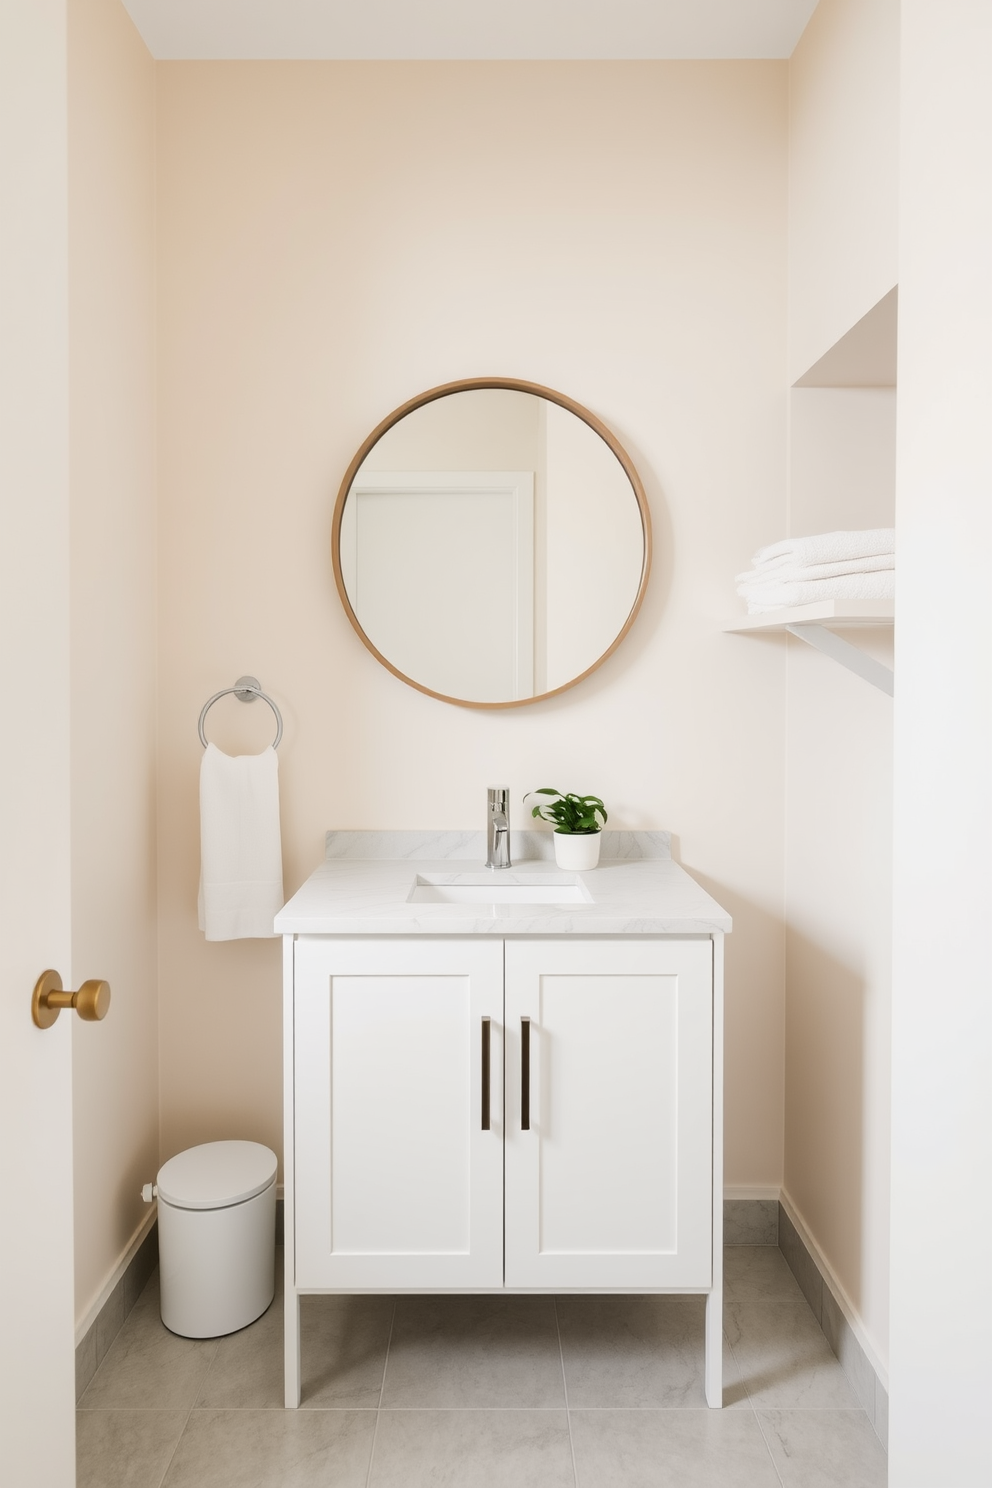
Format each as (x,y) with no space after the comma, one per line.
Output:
(147,1367)
(476,1389)
(343,1351)
(474,1352)
(125,1448)
(684,1449)
(750,1221)
(824,1449)
(783,1356)
(472,1449)
(273,1449)
(246,1371)
(638,1351)
(758,1269)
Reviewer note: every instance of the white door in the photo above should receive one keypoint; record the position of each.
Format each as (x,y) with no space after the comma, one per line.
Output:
(398,1113)
(36,1270)
(439,568)
(609,1102)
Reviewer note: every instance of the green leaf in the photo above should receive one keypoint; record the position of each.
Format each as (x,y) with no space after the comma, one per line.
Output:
(570,812)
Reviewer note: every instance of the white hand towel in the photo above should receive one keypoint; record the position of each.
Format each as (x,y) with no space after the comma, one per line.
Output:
(780,573)
(775,596)
(827,547)
(240,846)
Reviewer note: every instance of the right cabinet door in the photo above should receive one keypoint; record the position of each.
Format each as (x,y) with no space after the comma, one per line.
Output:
(609,1114)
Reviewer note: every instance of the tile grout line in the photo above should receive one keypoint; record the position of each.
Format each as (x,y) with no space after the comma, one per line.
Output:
(179,1442)
(189,1414)
(382,1387)
(564,1385)
(733,1351)
(189,1410)
(206,1373)
(769,1450)
(532,1410)
(753,1410)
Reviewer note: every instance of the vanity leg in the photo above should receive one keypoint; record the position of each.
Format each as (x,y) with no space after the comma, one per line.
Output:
(292,1336)
(713,1369)
(714,1347)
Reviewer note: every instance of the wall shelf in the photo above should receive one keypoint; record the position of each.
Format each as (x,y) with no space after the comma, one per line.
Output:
(810,623)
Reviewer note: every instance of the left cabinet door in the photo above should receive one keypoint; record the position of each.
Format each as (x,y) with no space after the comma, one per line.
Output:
(398,1179)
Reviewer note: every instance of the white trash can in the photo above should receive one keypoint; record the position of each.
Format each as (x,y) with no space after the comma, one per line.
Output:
(216,1237)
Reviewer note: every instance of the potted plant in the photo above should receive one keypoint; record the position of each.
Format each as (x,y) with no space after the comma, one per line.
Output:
(577,828)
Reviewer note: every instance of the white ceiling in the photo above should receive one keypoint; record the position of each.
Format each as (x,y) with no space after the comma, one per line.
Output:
(464,29)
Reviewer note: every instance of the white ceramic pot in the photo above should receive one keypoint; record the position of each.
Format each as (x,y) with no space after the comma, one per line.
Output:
(578,851)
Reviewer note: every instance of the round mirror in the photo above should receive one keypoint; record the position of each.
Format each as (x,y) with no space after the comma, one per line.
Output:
(491,543)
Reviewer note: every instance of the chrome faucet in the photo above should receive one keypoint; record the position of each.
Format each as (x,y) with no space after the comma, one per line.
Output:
(498,827)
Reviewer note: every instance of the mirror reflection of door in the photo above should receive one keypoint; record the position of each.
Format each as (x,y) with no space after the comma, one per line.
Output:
(491,542)
(440,566)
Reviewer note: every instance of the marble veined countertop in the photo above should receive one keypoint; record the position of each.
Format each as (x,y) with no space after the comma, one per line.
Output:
(364,884)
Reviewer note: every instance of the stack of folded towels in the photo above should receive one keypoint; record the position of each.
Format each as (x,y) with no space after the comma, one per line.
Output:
(834,565)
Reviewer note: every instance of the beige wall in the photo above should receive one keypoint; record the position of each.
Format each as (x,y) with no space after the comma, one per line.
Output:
(111,97)
(336,237)
(839,876)
(843,171)
(843,230)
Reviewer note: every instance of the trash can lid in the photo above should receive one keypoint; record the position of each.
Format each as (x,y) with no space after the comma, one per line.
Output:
(216,1175)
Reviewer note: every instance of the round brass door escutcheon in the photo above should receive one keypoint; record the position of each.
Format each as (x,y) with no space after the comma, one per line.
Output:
(91,1002)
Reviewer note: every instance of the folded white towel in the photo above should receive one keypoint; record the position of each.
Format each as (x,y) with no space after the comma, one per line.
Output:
(793,572)
(775,596)
(827,547)
(240,846)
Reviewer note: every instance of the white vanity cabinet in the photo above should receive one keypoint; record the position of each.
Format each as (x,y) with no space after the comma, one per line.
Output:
(473,1113)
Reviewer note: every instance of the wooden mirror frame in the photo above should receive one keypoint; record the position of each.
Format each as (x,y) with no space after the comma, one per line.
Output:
(474,384)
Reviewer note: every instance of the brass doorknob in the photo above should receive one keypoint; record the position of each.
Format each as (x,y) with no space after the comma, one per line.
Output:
(48,999)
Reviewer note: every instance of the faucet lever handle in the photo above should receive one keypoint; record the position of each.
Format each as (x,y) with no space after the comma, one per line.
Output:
(498,827)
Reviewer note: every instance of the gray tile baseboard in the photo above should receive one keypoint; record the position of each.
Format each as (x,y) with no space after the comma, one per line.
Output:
(838,1332)
(750,1221)
(93,1347)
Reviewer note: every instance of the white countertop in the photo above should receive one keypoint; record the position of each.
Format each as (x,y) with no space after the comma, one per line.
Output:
(362,888)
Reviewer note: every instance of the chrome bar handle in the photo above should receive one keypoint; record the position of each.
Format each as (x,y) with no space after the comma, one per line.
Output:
(525,1074)
(486,1066)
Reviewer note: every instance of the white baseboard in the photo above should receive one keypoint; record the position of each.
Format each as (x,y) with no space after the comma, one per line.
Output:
(751,1191)
(89,1317)
(851,1315)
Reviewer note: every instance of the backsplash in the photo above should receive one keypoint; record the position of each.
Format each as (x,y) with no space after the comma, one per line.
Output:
(525,846)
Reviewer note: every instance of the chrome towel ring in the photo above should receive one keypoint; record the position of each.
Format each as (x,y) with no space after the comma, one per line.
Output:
(246,690)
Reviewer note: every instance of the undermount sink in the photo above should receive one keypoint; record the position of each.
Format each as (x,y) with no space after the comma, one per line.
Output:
(491,891)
